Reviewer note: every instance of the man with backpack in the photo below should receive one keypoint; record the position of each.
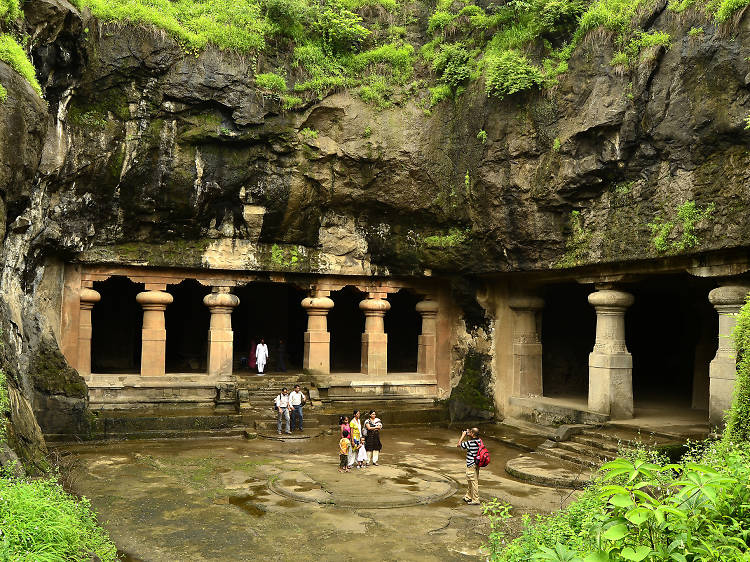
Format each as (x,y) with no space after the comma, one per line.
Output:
(470,441)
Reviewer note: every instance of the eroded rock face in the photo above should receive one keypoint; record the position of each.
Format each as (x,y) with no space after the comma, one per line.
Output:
(143,154)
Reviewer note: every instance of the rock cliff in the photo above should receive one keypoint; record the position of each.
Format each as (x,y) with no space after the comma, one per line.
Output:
(141,152)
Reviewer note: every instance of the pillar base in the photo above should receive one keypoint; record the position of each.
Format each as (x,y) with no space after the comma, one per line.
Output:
(611,384)
(374,353)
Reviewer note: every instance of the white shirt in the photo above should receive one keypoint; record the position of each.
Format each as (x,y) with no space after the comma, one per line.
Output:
(282,401)
(296,398)
(261,352)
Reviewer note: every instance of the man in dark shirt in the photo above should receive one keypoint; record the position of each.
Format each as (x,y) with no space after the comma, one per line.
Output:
(471,444)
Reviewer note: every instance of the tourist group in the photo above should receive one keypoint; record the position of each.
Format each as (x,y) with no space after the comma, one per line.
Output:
(359,443)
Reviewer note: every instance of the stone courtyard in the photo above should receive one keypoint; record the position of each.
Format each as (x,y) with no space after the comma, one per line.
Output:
(239,499)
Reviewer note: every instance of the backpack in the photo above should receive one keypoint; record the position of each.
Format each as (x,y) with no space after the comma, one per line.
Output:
(482,457)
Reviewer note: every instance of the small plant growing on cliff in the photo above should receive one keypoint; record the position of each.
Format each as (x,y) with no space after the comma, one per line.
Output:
(696,32)
(577,244)
(3,94)
(556,144)
(482,136)
(467,184)
(454,238)
(747,122)
(688,217)
(509,72)
(367,133)
(308,133)
(13,54)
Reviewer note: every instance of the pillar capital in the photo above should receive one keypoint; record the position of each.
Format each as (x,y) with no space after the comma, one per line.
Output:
(427,307)
(526,302)
(374,307)
(317,306)
(89,297)
(221,301)
(729,298)
(610,299)
(154,300)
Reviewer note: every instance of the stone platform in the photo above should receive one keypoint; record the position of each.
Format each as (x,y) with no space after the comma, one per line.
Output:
(385,486)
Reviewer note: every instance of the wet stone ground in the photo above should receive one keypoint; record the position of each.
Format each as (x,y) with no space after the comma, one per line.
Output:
(236,499)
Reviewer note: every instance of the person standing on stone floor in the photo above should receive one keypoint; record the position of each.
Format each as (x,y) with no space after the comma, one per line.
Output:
(297,399)
(261,355)
(373,425)
(471,444)
(282,356)
(344,447)
(356,429)
(283,408)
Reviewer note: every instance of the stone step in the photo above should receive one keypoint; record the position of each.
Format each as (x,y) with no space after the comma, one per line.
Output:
(153,434)
(617,436)
(110,425)
(597,443)
(271,424)
(588,451)
(571,457)
(547,471)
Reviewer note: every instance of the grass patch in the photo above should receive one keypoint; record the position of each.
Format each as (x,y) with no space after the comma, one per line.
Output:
(39,521)
(13,54)
(271,81)
(10,10)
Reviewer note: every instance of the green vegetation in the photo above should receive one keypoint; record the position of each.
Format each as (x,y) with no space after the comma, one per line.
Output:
(577,244)
(556,144)
(696,32)
(482,136)
(687,220)
(308,133)
(10,10)
(271,81)
(454,237)
(367,133)
(13,54)
(41,522)
(471,389)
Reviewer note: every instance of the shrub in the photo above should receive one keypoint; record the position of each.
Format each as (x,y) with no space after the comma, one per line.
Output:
(397,59)
(376,91)
(40,521)
(3,94)
(13,54)
(439,93)
(727,8)
(289,16)
(270,81)
(451,64)
(510,72)
(340,29)
(10,10)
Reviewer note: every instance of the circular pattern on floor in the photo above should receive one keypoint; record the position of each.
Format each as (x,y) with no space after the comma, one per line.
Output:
(374,487)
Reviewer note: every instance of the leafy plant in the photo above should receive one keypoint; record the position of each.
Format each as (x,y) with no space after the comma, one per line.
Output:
(270,81)
(13,54)
(482,136)
(688,217)
(509,72)
(556,144)
(308,133)
(696,32)
(3,94)
(738,417)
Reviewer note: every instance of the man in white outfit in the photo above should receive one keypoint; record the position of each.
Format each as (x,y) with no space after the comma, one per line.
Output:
(261,355)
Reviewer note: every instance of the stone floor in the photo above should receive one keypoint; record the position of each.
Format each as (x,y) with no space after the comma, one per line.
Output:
(236,499)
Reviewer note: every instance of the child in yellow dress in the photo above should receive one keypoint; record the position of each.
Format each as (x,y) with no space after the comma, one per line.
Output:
(344,445)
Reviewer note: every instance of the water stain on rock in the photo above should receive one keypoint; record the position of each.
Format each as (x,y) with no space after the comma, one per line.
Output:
(245,503)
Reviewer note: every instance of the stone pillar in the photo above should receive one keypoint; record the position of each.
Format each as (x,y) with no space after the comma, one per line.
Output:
(426,357)
(527,346)
(610,363)
(374,340)
(220,335)
(727,301)
(153,333)
(317,355)
(88,298)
